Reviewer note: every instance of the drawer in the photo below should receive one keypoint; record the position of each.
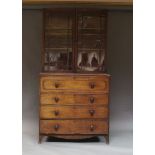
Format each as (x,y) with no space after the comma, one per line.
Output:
(69,112)
(76,99)
(74,84)
(56,98)
(91,99)
(73,127)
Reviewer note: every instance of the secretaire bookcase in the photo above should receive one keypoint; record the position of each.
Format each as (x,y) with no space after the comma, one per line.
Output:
(74,85)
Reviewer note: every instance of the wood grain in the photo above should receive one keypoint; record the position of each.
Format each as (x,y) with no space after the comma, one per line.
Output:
(73,99)
(72,112)
(73,127)
(76,83)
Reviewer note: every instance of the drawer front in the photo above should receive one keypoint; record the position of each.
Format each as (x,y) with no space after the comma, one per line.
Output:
(73,99)
(92,99)
(73,127)
(89,84)
(68,112)
(57,98)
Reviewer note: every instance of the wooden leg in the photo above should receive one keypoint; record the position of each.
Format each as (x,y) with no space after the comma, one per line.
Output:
(40,139)
(107,139)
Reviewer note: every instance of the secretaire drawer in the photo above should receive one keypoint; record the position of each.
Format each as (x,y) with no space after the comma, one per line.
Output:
(74,83)
(68,112)
(73,99)
(73,127)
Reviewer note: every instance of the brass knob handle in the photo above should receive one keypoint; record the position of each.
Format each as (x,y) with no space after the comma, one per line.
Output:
(92,85)
(56,113)
(56,99)
(92,99)
(56,127)
(92,112)
(92,127)
(56,85)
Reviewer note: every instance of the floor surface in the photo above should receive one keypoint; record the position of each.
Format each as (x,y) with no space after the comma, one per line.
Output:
(120,141)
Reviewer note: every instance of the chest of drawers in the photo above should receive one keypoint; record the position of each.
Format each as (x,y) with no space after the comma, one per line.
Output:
(74,105)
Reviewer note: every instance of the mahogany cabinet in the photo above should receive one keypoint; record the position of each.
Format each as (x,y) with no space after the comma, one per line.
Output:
(74,85)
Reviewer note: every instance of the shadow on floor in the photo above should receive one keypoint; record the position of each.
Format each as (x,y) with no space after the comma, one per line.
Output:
(54,139)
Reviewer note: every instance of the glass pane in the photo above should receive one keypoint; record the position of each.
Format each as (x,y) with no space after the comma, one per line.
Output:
(91,42)
(58,41)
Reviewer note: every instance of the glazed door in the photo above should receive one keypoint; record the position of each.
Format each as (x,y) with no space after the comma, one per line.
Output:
(58,36)
(74,40)
(91,46)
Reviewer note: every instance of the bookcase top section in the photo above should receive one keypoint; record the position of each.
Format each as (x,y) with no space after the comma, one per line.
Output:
(88,2)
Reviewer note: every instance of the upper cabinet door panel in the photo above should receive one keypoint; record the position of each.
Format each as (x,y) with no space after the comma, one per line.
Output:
(58,28)
(91,40)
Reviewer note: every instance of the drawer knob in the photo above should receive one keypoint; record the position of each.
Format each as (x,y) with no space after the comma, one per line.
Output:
(92,85)
(92,99)
(56,85)
(92,127)
(56,127)
(56,99)
(56,113)
(92,112)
